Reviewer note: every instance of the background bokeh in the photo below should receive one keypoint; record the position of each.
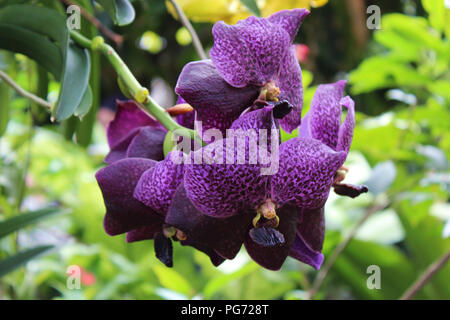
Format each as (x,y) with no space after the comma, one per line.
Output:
(399,77)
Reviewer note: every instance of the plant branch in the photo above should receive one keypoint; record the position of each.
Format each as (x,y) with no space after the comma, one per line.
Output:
(333,257)
(425,277)
(117,38)
(185,21)
(139,93)
(23,92)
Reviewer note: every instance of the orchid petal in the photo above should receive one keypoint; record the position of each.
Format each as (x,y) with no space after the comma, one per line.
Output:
(224,235)
(249,52)
(291,89)
(216,102)
(157,185)
(117,183)
(306,173)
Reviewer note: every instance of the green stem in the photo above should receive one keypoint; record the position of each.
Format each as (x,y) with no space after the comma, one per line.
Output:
(139,92)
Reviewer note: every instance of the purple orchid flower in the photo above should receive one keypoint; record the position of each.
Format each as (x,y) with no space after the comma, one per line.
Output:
(253,59)
(273,215)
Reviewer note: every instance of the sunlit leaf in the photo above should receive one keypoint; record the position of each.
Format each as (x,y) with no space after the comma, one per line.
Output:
(25,219)
(10,264)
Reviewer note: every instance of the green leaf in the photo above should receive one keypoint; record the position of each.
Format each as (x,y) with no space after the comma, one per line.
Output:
(16,261)
(22,220)
(4,106)
(436,13)
(32,44)
(425,243)
(217,283)
(85,104)
(397,271)
(252,6)
(75,80)
(172,280)
(121,11)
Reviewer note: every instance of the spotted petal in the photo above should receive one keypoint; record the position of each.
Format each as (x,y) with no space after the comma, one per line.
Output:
(117,182)
(220,186)
(324,117)
(249,52)
(157,185)
(289,20)
(291,89)
(345,134)
(306,173)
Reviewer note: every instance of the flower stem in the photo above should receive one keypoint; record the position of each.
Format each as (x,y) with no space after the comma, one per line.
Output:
(140,93)
(425,277)
(185,21)
(23,92)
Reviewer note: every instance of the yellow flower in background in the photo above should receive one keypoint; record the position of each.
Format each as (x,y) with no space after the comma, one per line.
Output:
(231,11)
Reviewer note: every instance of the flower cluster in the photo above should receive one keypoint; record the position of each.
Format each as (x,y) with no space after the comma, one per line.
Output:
(252,82)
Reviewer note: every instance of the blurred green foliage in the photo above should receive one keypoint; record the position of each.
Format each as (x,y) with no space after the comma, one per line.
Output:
(401,147)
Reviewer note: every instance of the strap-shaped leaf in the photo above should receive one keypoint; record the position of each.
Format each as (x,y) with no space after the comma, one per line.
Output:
(32,44)
(85,104)
(22,220)
(74,82)
(121,11)
(10,264)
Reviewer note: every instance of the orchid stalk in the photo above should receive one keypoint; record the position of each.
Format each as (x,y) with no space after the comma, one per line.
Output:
(139,93)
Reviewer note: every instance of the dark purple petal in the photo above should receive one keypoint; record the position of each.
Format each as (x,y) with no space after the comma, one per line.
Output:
(306,173)
(345,134)
(273,257)
(119,150)
(289,20)
(148,143)
(301,252)
(227,188)
(157,185)
(224,235)
(127,118)
(350,190)
(216,102)
(311,228)
(146,232)
(117,182)
(325,114)
(291,89)
(216,259)
(249,52)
